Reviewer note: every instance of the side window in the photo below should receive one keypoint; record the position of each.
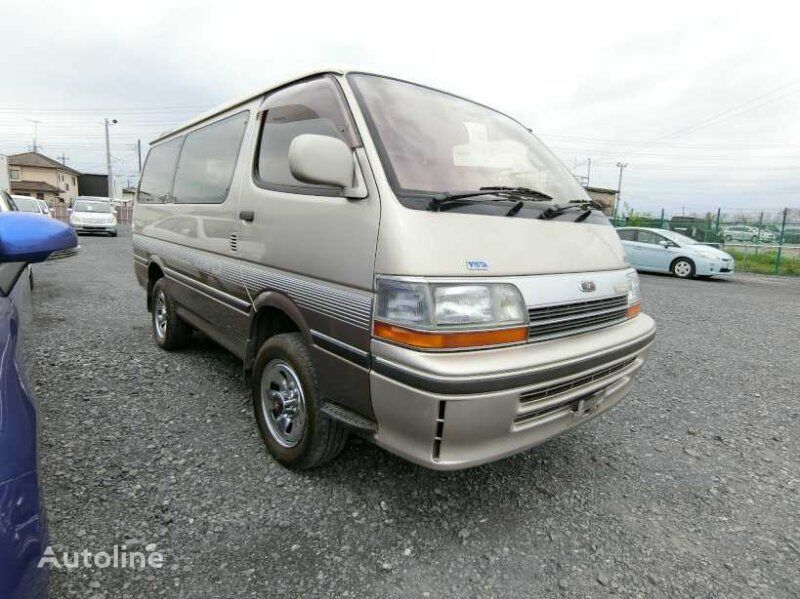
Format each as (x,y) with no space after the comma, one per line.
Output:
(314,106)
(650,237)
(627,234)
(207,161)
(159,171)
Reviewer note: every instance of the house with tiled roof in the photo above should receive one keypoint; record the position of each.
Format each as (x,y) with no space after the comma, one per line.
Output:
(42,177)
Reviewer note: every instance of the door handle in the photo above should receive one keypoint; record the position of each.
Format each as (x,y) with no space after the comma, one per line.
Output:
(247,215)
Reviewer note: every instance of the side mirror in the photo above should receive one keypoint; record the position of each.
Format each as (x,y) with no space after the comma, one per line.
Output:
(69,210)
(323,160)
(29,238)
(664,243)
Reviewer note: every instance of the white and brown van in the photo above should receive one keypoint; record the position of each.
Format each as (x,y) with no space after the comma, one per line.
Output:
(391,260)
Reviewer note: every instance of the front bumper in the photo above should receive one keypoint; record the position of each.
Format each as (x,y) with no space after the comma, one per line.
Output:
(455,410)
(715,268)
(85,228)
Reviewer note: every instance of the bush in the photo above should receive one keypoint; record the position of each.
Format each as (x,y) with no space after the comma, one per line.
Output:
(764,262)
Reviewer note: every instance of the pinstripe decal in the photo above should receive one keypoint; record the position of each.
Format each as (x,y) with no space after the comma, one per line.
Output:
(324,298)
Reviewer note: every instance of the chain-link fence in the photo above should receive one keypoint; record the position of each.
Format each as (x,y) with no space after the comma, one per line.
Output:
(761,241)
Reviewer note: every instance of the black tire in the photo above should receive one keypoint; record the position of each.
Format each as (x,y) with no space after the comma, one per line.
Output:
(320,439)
(754,239)
(114,234)
(683,268)
(175,333)
(728,238)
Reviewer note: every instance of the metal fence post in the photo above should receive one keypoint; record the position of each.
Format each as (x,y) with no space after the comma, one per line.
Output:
(780,242)
(760,228)
(662,219)
(716,227)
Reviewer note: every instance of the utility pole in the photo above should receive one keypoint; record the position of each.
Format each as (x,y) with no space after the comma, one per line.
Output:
(35,134)
(108,161)
(620,166)
(64,158)
(588,170)
(139,152)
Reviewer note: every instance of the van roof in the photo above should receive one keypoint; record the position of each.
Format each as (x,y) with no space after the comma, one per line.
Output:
(239,101)
(261,91)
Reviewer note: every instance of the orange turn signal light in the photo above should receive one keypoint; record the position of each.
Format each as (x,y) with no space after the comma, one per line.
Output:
(449,340)
(634,310)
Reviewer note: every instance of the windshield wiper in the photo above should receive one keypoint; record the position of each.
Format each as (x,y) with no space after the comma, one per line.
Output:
(558,209)
(501,193)
(520,191)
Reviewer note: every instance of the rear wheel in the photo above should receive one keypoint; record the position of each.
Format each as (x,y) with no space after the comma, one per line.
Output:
(683,268)
(728,238)
(169,331)
(287,403)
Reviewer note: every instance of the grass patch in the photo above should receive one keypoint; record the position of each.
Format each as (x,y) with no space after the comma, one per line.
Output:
(764,262)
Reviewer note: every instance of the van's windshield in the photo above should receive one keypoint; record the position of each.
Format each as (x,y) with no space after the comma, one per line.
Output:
(434,143)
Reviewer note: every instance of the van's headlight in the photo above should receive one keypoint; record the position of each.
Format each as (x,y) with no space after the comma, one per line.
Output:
(634,295)
(449,316)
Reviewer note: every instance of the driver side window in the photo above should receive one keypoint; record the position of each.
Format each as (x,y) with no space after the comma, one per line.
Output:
(315,106)
(650,237)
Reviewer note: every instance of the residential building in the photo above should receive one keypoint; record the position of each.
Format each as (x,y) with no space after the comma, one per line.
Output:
(42,177)
(605,196)
(128,193)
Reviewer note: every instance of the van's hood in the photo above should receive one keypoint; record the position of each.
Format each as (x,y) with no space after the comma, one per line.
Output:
(420,243)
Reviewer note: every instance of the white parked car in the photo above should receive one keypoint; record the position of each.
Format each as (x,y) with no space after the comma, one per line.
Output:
(747,233)
(45,208)
(93,216)
(661,250)
(30,204)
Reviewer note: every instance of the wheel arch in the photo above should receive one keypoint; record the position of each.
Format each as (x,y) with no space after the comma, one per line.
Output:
(155,271)
(273,313)
(687,258)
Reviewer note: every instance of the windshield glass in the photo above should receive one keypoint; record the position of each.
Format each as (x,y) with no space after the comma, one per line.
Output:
(84,206)
(27,205)
(432,142)
(678,238)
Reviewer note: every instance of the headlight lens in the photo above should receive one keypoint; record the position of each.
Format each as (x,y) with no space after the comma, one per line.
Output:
(434,315)
(634,295)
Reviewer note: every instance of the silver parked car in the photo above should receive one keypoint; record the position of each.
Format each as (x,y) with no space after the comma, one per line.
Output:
(661,250)
(747,233)
(389,259)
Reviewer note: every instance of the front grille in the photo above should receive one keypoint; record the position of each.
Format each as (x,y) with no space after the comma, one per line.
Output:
(548,392)
(542,402)
(547,322)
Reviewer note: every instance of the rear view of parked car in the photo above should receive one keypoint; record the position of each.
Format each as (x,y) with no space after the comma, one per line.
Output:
(391,260)
(31,205)
(661,250)
(93,216)
(24,239)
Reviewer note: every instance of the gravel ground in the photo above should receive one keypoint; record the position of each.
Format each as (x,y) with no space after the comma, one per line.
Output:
(689,487)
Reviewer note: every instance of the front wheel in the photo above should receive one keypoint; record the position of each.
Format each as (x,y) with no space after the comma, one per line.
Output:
(754,239)
(286,402)
(683,268)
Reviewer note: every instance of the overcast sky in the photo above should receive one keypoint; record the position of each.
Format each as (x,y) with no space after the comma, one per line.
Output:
(701,100)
